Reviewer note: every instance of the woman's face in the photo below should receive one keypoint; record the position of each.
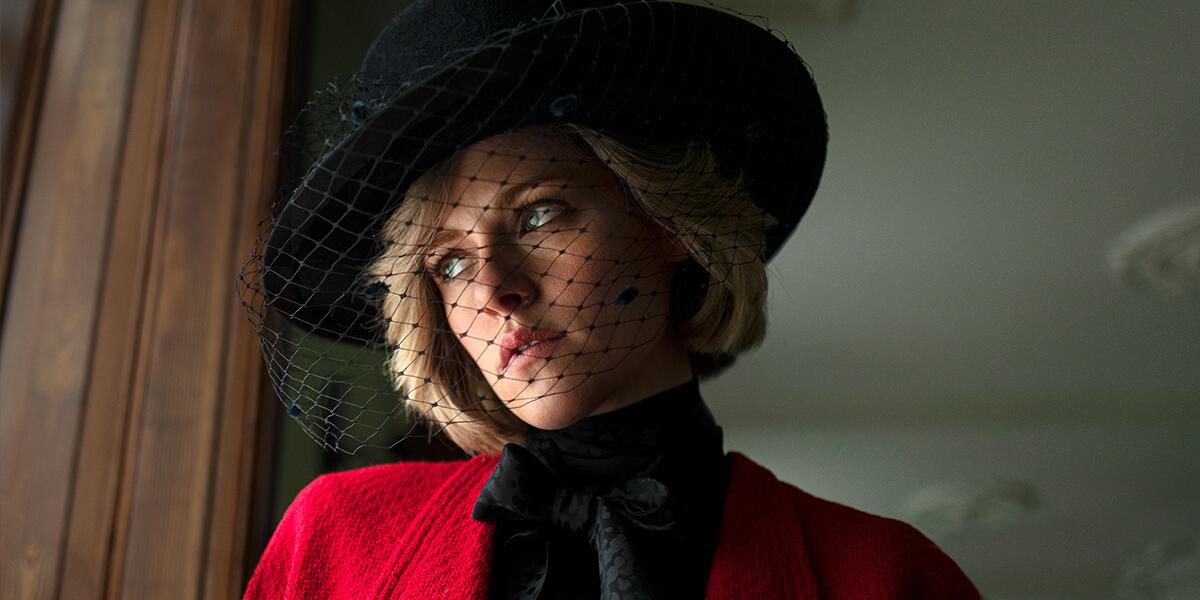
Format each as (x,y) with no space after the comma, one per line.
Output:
(538,259)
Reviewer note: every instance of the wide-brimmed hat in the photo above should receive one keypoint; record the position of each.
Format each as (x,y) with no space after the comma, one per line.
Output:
(445,74)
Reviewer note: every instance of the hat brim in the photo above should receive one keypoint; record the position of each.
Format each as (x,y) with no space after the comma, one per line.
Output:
(648,70)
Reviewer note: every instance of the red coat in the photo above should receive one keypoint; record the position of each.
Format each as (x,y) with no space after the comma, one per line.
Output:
(405,531)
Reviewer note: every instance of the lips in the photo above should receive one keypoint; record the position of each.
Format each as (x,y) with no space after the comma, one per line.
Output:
(525,342)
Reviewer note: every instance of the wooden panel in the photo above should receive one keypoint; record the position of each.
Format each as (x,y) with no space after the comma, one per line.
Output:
(58,269)
(25,35)
(16,24)
(103,434)
(235,462)
(131,381)
(195,398)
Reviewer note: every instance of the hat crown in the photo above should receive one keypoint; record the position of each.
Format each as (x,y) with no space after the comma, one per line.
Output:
(425,32)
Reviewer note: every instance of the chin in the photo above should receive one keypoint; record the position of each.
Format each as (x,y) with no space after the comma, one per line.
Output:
(551,412)
(549,400)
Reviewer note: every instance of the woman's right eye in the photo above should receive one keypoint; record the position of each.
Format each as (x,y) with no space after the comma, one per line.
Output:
(451,266)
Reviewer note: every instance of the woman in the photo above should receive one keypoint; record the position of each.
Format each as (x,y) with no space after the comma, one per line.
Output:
(549,287)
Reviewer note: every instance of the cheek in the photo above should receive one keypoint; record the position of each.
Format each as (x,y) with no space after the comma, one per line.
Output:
(585,282)
(475,334)
(458,318)
(608,252)
(606,324)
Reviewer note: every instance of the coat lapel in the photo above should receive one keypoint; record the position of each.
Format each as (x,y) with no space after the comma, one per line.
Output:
(761,551)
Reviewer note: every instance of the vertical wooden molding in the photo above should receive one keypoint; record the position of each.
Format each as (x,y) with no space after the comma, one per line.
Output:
(57,276)
(235,460)
(131,380)
(185,500)
(27,30)
(105,423)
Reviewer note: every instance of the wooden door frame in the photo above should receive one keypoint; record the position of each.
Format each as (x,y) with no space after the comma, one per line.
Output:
(132,382)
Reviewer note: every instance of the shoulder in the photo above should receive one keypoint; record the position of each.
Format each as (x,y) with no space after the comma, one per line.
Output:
(367,494)
(364,511)
(824,521)
(847,540)
(837,526)
(337,535)
(858,554)
(361,508)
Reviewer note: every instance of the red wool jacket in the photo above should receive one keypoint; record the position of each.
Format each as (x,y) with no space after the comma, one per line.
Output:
(405,531)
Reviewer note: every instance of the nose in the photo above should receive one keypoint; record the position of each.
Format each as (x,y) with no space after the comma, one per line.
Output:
(503,285)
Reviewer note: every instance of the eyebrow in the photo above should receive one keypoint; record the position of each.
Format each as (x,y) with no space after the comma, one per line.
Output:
(508,198)
(505,199)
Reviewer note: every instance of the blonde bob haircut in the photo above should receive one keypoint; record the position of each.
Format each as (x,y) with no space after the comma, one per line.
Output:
(676,185)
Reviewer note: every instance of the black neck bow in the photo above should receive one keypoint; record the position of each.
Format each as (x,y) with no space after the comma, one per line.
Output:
(619,521)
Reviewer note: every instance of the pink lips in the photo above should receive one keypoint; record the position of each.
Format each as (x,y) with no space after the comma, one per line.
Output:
(524,344)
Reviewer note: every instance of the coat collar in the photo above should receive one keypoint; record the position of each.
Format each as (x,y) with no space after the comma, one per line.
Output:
(761,551)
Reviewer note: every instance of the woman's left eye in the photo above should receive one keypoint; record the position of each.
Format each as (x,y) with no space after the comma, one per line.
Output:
(539,214)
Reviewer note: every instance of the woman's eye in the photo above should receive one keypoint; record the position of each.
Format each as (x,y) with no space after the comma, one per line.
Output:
(539,214)
(451,267)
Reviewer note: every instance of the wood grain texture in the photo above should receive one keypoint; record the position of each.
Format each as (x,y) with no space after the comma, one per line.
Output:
(105,424)
(239,428)
(57,276)
(184,499)
(131,381)
(26,28)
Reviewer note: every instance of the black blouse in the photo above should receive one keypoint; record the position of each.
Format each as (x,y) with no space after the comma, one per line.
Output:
(626,504)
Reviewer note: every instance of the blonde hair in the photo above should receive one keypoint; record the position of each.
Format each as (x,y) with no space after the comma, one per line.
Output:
(677,185)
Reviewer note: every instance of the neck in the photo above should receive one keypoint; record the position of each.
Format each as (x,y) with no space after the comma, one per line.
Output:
(670,368)
(672,426)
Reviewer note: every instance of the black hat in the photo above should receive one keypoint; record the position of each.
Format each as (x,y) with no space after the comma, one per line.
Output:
(444,74)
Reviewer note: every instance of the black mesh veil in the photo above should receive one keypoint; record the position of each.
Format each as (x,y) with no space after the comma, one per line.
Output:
(510,207)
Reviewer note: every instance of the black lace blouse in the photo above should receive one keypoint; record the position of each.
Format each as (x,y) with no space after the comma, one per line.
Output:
(626,504)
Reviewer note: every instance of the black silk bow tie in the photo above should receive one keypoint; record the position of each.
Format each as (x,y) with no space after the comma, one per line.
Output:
(522,489)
